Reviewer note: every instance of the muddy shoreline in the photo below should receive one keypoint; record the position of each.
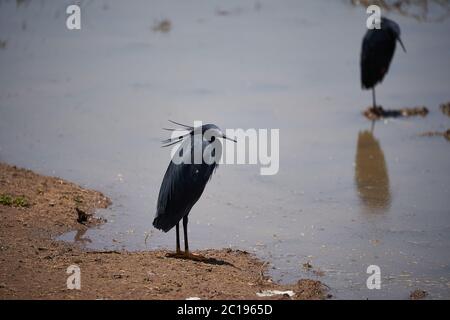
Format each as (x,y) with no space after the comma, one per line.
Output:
(35,209)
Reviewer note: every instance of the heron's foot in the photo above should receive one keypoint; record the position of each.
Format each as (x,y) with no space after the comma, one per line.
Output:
(187,256)
(177,254)
(377,110)
(196,257)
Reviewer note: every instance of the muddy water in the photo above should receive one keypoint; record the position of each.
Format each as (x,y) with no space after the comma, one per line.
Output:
(89,106)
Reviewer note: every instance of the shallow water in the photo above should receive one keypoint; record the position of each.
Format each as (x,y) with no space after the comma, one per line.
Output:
(89,106)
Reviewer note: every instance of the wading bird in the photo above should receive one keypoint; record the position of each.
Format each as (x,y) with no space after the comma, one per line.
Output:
(185,179)
(378,48)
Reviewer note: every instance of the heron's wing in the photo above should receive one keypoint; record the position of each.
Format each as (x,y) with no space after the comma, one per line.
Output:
(182,186)
(377,50)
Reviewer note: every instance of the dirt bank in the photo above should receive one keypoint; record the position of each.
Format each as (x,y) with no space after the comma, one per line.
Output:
(34,209)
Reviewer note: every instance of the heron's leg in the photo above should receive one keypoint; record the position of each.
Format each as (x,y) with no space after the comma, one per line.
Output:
(186,254)
(178,253)
(373,98)
(186,244)
(178,237)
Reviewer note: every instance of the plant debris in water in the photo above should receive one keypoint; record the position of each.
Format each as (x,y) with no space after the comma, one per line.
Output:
(445,134)
(445,108)
(377,113)
(418,294)
(163,26)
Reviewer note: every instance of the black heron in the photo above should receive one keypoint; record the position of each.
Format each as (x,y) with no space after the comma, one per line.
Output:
(377,50)
(184,181)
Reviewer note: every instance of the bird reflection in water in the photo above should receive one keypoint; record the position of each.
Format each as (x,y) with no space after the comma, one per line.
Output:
(371,174)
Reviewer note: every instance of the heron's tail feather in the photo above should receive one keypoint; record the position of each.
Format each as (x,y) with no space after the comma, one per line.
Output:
(163,224)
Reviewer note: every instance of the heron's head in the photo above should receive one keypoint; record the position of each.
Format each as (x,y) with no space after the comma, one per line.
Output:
(209,132)
(393,28)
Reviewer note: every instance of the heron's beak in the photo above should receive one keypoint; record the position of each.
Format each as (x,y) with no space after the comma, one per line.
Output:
(225,137)
(401,43)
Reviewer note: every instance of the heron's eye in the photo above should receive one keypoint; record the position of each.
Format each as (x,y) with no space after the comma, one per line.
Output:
(212,139)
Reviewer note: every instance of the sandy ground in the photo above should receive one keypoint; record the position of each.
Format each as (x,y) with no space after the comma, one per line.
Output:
(34,209)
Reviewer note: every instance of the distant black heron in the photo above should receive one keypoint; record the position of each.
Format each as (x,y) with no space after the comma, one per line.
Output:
(184,181)
(377,50)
